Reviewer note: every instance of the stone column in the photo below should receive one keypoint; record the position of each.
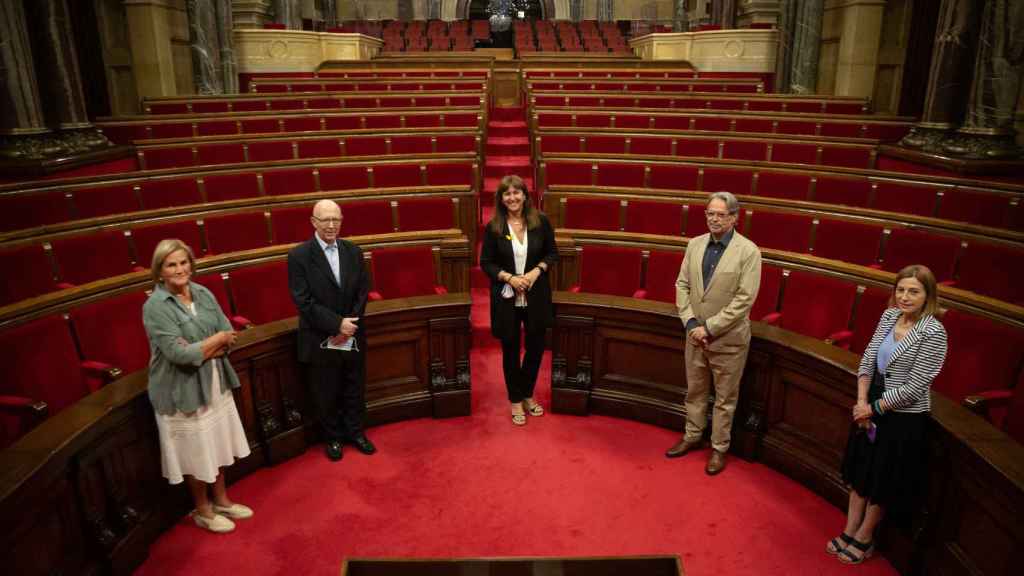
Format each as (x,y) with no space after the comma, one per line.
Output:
(949,77)
(20,110)
(680,21)
(723,13)
(799,44)
(857,64)
(251,13)
(213,56)
(225,36)
(988,132)
(289,13)
(150,38)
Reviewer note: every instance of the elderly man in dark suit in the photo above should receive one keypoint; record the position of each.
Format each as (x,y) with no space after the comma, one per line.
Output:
(329,287)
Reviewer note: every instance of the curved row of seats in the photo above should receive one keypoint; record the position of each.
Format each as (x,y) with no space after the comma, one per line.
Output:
(110,247)
(319,100)
(986,203)
(41,203)
(645,73)
(91,342)
(549,93)
(589,114)
(822,299)
(721,145)
(976,260)
(213,150)
(129,129)
(369,85)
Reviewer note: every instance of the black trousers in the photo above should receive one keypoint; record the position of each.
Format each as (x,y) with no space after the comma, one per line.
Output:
(521,377)
(337,383)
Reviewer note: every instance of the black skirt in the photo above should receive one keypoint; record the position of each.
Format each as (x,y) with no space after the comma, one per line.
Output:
(891,470)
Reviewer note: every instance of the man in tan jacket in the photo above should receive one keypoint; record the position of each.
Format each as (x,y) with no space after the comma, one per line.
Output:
(717,285)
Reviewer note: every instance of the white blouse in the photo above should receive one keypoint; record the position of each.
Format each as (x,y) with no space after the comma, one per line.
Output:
(519,253)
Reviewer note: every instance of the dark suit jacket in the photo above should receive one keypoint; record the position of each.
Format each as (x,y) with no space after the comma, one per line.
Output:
(496,256)
(320,301)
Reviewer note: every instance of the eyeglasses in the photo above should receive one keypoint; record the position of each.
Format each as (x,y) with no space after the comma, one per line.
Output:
(711,214)
(328,221)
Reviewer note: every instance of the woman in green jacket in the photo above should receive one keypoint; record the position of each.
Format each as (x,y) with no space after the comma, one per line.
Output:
(190,382)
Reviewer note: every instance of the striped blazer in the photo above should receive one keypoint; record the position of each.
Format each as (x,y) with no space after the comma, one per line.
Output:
(914,363)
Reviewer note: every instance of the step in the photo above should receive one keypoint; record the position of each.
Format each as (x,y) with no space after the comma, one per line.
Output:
(522,149)
(507,132)
(507,140)
(502,161)
(507,124)
(511,113)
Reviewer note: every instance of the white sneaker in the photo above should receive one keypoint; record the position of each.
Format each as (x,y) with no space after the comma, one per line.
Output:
(236,511)
(218,523)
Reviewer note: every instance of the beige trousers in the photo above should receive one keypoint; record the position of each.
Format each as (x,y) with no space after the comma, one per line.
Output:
(722,369)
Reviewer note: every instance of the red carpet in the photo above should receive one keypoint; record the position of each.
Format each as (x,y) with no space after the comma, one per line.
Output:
(476,486)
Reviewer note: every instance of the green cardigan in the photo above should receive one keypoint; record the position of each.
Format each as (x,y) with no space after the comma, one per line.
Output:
(179,378)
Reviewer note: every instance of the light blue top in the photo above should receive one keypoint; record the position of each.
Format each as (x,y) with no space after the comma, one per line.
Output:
(331,251)
(885,350)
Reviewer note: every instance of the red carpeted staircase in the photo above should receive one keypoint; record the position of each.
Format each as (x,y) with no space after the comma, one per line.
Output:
(508,151)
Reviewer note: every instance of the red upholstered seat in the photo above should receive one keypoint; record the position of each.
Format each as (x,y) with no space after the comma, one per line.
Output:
(623,121)
(610,270)
(403,272)
(426,120)
(937,252)
(371,146)
(146,237)
(696,148)
(33,209)
(571,173)
(343,122)
(289,181)
(789,185)
(816,305)
(319,148)
(906,198)
(673,177)
(654,218)
(794,152)
(42,363)
(983,355)
(745,150)
(168,192)
(291,224)
(847,191)
(28,273)
(873,301)
(105,200)
(455,143)
(110,331)
(381,122)
(591,213)
(215,127)
(976,206)
(648,145)
(233,232)
(254,105)
(171,129)
(993,269)
(397,176)
(301,123)
(845,156)
(87,257)
(261,292)
(662,271)
(847,240)
(606,144)
(615,174)
(214,281)
(344,178)
(736,181)
(779,230)
(442,174)
(796,127)
(713,123)
(426,214)
(291,104)
(230,153)
(260,126)
(766,305)
(221,187)
(168,157)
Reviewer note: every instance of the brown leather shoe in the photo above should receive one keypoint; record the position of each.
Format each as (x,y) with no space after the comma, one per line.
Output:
(681,448)
(716,463)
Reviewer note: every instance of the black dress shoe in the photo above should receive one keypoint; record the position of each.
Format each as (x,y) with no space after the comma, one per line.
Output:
(333,450)
(363,444)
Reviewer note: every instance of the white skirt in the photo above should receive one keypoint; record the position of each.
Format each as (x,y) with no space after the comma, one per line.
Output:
(200,443)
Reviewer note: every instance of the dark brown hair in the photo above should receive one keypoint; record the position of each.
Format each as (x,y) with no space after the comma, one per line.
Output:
(500,218)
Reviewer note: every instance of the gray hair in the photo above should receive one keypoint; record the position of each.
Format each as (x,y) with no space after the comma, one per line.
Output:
(731,203)
(164,249)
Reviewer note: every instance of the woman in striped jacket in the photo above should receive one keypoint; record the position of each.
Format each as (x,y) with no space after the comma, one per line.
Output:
(885,456)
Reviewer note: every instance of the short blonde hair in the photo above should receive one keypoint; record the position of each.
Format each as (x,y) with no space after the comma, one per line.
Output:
(164,249)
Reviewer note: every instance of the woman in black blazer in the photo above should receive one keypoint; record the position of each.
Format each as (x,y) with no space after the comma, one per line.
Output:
(885,456)
(518,252)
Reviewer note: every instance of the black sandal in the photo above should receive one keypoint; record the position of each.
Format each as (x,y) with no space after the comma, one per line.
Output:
(838,544)
(866,550)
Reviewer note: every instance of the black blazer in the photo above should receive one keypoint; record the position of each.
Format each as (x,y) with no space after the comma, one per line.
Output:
(496,256)
(320,301)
